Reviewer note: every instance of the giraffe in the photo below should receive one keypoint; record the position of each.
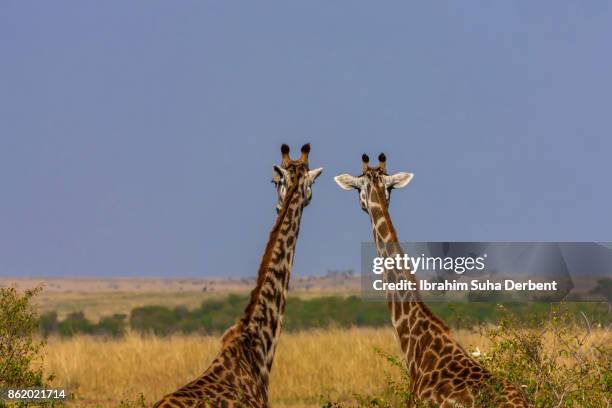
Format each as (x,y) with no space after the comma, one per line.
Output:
(239,374)
(441,371)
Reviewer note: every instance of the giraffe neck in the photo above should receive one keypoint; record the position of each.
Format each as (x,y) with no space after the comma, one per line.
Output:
(405,306)
(387,243)
(261,324)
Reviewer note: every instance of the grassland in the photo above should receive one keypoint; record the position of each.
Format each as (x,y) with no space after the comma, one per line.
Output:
(311,367)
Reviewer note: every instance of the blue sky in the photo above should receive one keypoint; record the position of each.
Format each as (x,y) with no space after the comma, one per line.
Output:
(138,138)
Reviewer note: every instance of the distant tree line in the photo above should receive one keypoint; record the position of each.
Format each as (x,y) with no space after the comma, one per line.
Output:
(216,315)
(76,322)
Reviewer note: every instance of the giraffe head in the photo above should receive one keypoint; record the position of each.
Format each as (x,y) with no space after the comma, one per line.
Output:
(294,174)
(374,183)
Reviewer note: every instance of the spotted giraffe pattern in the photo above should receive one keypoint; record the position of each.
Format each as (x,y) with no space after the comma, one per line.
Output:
(441,371)
(239,374)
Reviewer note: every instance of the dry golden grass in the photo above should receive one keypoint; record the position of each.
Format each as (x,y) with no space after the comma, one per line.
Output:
(309,366)
(333,363)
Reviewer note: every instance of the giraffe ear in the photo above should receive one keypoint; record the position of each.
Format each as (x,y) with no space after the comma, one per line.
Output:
(398,180)
(278,173)
(347,182)
(313,174)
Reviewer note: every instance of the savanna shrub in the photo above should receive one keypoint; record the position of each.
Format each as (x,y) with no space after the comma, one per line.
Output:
(19,350)
(560,363)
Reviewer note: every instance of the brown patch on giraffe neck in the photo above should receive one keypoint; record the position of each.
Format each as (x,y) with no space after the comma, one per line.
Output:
(230,334)
(269,251)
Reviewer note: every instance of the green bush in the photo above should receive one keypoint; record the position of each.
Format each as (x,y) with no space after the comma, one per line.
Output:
(114,326)
(48,323)
(604,289)
(155,319)
(18,347)
(75,323)
(558,362)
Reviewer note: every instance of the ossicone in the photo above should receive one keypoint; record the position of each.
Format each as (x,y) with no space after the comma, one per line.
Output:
(382,162)
(364,162)
(285,154)
(305,150)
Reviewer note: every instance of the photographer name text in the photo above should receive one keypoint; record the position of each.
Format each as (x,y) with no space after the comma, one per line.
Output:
(474,284)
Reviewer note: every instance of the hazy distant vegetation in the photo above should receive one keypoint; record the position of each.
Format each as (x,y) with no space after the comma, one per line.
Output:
(216,315)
